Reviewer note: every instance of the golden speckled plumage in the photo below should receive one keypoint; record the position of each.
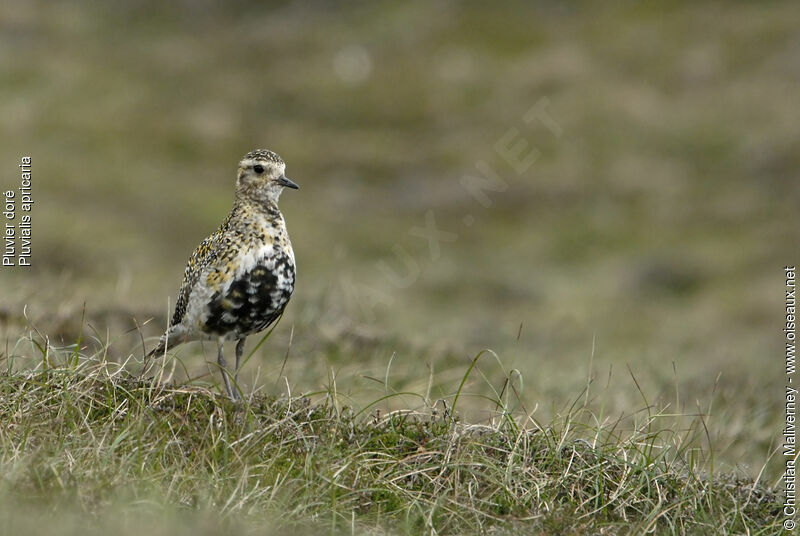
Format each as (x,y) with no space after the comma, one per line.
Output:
(240,278)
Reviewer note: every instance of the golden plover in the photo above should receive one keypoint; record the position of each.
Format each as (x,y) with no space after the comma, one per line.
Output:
(238,280)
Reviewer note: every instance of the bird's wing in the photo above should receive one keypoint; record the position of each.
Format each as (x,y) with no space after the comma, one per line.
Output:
(202,256)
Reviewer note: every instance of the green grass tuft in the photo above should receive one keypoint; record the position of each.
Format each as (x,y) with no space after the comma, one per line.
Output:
(90,436)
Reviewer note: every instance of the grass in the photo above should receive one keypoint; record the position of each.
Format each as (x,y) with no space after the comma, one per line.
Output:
(103,447)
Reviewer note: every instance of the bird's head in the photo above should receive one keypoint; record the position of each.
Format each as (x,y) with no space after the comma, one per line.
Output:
(261,176)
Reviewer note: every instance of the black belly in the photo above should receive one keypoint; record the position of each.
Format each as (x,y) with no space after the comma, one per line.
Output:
(253,301)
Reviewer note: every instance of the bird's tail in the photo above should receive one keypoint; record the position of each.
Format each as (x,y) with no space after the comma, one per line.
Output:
(173,337)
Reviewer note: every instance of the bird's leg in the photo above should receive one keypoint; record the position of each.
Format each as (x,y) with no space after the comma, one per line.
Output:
(224,369)
(239,352)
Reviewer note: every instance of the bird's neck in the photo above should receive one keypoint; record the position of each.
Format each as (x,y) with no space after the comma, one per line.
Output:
(260,221)
(258,204)
(256,195)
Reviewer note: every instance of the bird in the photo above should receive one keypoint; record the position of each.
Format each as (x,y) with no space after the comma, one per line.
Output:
(238,281)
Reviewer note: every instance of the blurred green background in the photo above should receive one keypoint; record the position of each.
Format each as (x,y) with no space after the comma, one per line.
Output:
(650,232)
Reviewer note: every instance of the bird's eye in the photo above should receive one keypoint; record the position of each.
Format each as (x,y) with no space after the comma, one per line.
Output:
(258,168)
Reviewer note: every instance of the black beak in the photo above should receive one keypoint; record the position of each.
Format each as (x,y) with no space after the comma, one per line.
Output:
(286,181)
